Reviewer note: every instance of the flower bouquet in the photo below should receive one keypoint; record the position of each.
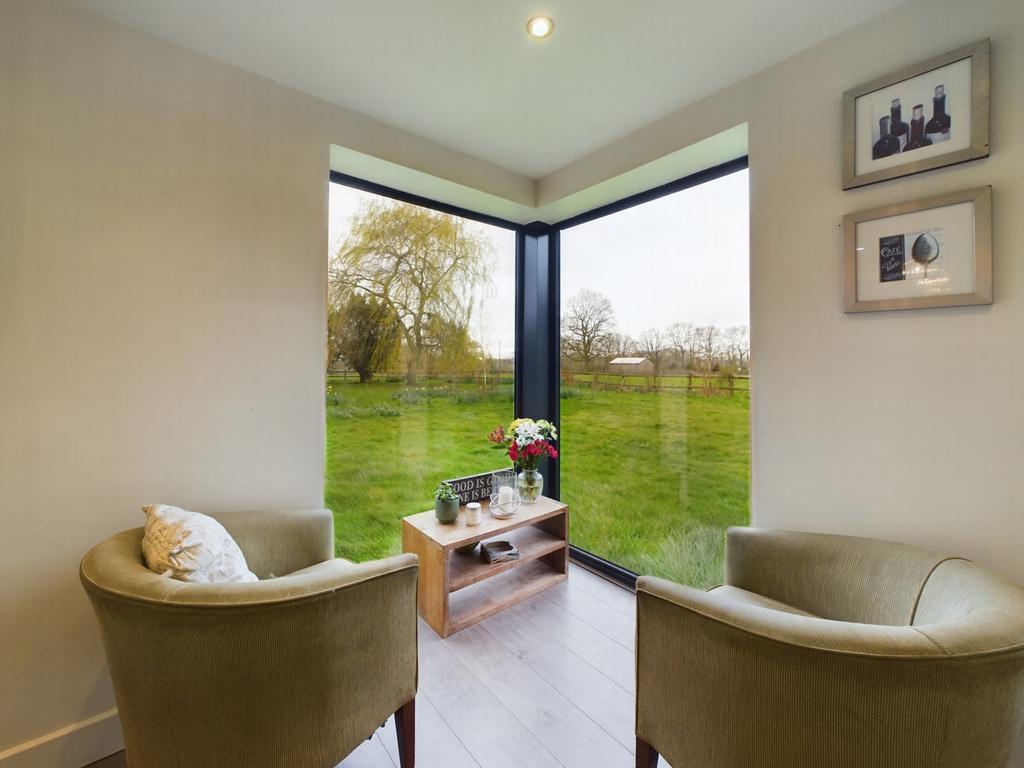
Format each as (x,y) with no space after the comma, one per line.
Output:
(526,443)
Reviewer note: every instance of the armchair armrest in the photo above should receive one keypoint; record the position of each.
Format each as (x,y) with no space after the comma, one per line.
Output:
(721,683)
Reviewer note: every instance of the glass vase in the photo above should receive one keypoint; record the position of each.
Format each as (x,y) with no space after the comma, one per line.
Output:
(531,485)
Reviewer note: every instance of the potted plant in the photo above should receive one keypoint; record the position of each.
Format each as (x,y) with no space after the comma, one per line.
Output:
(446,503)
(526,443)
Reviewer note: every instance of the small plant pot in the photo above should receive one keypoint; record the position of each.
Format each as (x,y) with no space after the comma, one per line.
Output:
(446,511)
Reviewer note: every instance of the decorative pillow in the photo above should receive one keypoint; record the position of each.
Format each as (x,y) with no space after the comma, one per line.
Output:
(190,546)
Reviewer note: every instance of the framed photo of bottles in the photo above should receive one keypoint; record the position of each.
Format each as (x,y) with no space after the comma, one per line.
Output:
(927,116)
(935,252)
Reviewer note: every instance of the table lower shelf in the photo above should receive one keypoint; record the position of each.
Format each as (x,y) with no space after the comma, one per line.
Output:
(486,598)
(531,541)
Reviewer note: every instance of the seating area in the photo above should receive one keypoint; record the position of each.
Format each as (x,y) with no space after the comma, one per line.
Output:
(511,385)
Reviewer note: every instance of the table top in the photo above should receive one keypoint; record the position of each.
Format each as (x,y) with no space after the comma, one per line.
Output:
(450,535)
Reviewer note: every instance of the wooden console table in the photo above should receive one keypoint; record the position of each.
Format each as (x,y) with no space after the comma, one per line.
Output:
(456,590)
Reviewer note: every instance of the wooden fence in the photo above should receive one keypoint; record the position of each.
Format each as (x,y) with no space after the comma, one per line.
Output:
(687,382)
(678,383)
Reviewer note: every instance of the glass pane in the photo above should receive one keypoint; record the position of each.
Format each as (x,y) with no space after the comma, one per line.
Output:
(421,334)
(655,438)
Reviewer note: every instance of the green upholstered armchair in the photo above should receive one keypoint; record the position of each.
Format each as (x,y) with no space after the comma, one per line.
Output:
(294,670)
(830,651)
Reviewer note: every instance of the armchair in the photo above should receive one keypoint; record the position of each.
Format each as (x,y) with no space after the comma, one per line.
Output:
(296,669)
(834,651)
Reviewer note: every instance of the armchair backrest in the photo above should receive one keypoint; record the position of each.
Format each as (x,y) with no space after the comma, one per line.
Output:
(278,543)
(844,578)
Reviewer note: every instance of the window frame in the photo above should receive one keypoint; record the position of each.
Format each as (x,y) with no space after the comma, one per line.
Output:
(538,310)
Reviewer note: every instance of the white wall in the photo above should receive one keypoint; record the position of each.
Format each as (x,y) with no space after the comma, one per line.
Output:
(904,425)
(163,231)
(162,240)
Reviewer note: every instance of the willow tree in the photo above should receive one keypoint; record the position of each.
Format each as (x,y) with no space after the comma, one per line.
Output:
(424,266)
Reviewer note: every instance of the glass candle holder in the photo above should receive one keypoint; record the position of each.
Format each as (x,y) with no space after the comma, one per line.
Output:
(473,514)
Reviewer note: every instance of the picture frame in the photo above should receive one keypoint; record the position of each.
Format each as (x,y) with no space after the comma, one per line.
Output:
(944,99)
(933,252)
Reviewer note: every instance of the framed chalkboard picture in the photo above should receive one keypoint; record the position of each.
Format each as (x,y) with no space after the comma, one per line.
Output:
(926,116)
(935,252)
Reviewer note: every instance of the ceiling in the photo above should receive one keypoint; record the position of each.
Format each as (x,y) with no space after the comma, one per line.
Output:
(463,73)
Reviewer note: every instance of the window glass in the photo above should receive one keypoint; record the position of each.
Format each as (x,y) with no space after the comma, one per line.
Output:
(655,431)
(421,335)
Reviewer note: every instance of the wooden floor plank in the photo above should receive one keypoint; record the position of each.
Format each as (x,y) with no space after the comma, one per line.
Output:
(436,743)
(619,626)
(597,649)
(611,594)
(574,739)
(482,723)
(369,754)
(596,695)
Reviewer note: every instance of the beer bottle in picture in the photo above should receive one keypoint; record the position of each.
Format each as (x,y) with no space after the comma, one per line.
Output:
(917,137)
(937,129)
(897,127)
(887,144)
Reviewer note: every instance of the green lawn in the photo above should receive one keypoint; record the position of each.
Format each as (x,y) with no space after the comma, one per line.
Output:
(652,479)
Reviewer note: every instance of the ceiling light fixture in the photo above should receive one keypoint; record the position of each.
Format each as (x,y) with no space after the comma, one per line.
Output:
(540,27)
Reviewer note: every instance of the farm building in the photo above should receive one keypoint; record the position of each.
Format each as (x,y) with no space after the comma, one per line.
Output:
(631,366)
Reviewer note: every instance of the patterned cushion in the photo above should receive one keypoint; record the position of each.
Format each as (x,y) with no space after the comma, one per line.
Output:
(190,546)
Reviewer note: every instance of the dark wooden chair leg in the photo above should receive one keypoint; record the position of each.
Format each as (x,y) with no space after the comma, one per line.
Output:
(405,727)
(646,756)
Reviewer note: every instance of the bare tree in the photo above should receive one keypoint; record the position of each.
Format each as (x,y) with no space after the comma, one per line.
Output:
(652,345)
(680,339)
(705,348)
(587,327)
(423,266)
(736,341)
(621,345)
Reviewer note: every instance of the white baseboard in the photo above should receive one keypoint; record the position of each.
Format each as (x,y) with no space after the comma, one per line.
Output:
(72,746)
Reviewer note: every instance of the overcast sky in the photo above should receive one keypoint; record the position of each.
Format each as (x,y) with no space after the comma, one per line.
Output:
(683,257)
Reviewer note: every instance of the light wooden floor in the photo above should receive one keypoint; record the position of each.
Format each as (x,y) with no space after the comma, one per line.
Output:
(547,683)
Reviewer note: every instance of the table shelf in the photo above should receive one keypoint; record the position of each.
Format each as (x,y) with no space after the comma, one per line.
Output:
(487,598)
(532,543)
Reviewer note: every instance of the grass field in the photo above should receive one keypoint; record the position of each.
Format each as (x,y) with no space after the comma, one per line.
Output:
(652,479)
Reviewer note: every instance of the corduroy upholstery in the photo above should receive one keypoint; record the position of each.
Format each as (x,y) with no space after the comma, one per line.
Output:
(880,654)
(296,670)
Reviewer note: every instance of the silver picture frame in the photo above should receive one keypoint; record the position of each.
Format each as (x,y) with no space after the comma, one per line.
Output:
(975,261)
(977,147)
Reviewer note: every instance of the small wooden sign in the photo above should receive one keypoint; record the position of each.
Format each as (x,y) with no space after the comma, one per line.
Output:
(473,487)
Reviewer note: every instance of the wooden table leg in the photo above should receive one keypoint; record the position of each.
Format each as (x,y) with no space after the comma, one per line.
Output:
(432,594)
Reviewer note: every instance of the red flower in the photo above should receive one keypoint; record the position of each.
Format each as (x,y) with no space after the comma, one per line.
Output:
(513,452)
(552,452)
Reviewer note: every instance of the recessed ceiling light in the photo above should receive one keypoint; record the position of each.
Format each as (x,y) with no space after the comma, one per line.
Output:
(540,27)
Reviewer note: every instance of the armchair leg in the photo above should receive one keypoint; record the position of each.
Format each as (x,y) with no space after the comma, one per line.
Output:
(405,726)
(646,756)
